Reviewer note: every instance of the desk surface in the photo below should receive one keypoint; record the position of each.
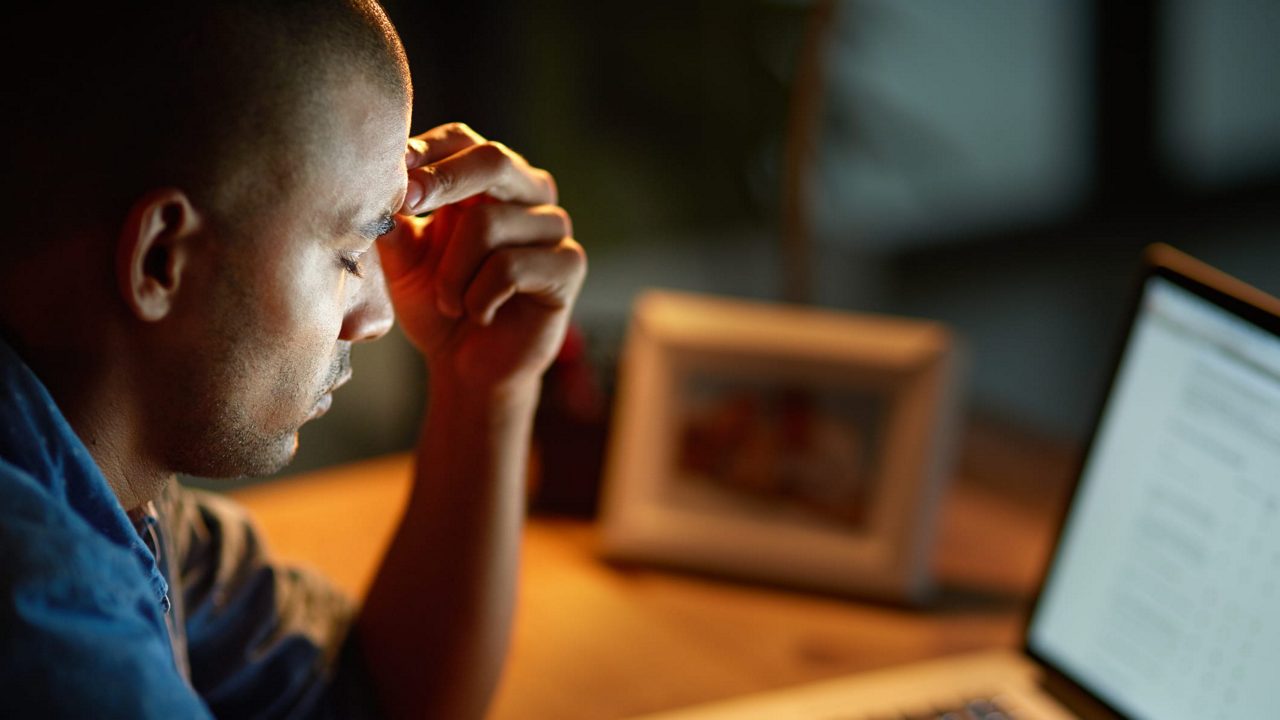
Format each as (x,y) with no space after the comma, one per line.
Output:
(594,642)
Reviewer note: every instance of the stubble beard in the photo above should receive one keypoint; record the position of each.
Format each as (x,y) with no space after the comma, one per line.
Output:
(229,440)
(236,442)
(234,425)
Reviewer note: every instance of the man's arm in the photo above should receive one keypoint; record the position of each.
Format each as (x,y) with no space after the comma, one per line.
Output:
(484,288)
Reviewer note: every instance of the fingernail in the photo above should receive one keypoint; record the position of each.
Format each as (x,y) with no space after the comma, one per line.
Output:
(414,194)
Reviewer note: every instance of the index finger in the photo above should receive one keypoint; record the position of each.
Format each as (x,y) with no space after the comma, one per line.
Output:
(439,143)
(489,168)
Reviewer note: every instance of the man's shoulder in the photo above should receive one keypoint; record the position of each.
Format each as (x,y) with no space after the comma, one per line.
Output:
(51,550)
(32,505)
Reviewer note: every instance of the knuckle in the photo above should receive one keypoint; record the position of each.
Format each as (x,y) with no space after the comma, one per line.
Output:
(494,152)
(566,222)
(458,129)
(507,267)
(508,160)
(549,181)
(577,254)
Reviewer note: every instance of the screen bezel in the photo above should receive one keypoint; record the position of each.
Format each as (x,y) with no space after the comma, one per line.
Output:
(1234,296)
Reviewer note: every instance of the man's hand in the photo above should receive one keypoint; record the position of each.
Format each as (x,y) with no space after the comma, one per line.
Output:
(484,285)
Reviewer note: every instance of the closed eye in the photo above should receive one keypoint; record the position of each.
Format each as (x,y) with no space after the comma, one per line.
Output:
(350,262)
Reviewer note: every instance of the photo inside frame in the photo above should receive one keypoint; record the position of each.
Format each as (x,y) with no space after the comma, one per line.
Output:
(776,449)
(780,444)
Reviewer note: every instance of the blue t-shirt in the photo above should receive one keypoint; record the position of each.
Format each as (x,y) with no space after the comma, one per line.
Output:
(174,614)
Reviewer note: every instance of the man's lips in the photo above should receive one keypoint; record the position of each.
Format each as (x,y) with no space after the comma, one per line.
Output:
(346,377)
(322,406)
(326,400)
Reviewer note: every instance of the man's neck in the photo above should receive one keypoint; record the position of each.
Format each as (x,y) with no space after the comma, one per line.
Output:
(109,430)
(133,483)
(100,407)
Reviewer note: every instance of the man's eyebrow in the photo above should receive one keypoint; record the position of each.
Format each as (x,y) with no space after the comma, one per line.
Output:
(377,227)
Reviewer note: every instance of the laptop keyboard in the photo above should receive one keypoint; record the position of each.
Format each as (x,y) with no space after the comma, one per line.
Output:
(978,709)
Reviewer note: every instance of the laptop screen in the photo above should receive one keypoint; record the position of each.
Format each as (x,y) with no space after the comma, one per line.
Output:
(1162,598)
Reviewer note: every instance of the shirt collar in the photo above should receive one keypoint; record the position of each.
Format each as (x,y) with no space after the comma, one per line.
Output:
(35,437)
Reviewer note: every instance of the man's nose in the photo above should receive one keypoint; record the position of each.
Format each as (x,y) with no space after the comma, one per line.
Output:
(369,314)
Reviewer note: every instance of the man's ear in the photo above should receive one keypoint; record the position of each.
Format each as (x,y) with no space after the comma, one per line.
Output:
(155,244)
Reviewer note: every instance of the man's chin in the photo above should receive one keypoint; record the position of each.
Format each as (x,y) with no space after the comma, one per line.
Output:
(245,461)
(281,461)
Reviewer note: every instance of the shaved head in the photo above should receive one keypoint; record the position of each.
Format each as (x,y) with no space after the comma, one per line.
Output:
(217,99)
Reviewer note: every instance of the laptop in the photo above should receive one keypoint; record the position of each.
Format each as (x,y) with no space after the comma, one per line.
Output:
(1162,598)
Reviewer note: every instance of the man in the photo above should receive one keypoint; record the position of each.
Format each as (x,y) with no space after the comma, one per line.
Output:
(207,206)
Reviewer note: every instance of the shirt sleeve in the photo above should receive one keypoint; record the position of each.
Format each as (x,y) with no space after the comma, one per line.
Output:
(263,640)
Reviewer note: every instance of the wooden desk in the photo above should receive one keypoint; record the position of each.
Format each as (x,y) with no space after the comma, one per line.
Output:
(595,642)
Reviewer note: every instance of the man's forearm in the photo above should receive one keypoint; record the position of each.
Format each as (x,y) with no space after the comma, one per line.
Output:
(436,622)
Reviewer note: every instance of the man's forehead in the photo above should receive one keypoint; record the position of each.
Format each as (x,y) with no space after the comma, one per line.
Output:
(358,160)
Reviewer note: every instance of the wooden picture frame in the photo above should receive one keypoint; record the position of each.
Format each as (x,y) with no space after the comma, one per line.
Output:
(781,444)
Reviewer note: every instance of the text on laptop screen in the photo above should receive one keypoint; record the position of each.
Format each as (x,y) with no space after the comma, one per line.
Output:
(1163,597)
